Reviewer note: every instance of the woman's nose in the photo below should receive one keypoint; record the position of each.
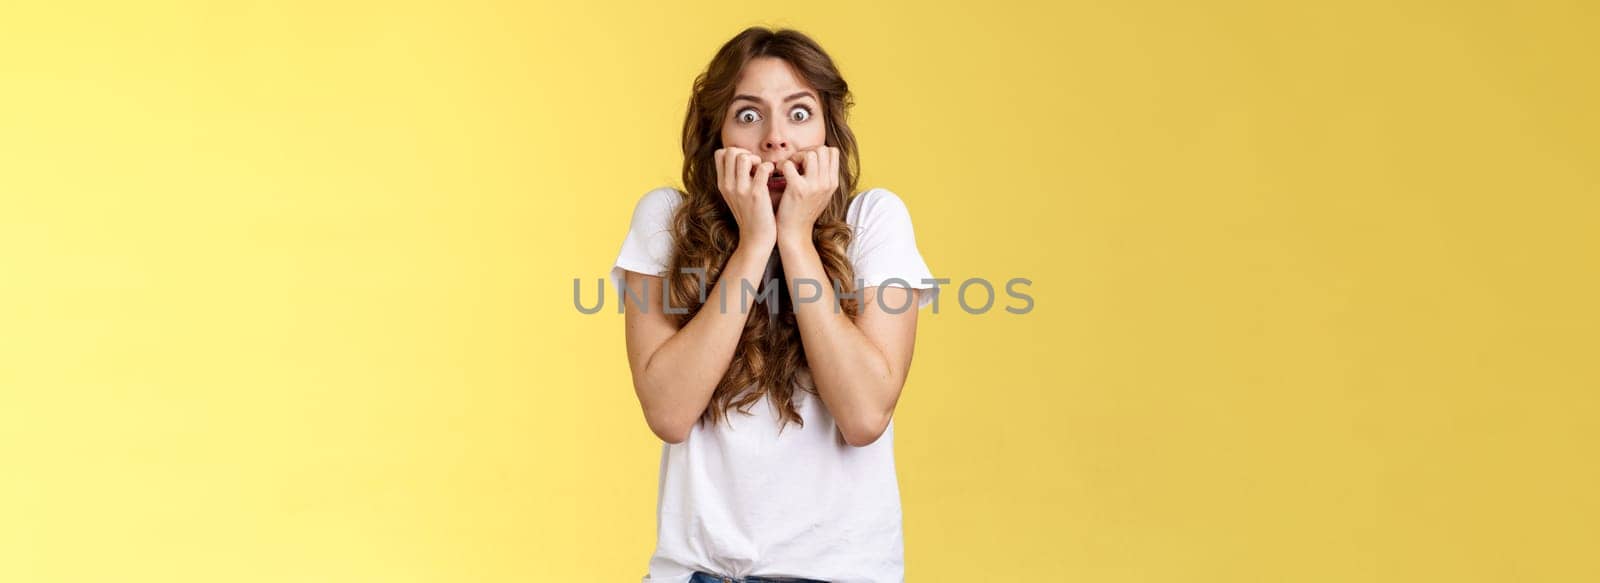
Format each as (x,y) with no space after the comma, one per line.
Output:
(774,142)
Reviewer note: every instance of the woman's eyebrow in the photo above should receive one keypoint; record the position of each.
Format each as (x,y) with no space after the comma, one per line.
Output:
(789,98)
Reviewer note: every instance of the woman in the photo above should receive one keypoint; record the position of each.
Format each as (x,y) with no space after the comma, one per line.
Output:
(773,369)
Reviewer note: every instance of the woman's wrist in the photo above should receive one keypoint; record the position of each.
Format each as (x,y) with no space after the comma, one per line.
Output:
(759,247)
(795,241)
(762,239)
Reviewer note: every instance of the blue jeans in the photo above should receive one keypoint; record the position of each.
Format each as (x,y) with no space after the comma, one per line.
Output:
(701,577)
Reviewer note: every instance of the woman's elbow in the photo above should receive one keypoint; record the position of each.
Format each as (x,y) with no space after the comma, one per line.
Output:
(669,432)
(666,424)
(670,427)
(864,431)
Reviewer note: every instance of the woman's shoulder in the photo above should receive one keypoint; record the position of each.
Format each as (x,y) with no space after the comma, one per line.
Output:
(647,248)
(654,209)
(660,198)
(874,203)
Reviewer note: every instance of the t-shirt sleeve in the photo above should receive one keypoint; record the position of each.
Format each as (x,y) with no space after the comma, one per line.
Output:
(884,246)
(647,248)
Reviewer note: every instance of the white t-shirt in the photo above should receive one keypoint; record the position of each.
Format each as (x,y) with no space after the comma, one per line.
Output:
(740,499)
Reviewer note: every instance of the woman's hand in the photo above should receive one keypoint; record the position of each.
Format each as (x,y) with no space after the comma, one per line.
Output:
(807,194)
(742,178)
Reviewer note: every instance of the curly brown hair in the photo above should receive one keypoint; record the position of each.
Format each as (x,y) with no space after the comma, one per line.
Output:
(769,356)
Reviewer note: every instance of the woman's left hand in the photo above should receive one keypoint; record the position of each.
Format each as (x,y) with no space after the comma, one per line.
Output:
(806,195)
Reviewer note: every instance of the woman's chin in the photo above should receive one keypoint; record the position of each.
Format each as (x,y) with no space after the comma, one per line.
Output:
(777,195)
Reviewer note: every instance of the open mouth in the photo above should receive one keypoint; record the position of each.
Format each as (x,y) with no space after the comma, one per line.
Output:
(776,184)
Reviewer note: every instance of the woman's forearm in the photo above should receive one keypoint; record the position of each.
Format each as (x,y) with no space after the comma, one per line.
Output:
(682,373)
(854,378)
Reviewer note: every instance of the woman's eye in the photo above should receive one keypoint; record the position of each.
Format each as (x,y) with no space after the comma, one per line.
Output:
(748,116)
(800,114)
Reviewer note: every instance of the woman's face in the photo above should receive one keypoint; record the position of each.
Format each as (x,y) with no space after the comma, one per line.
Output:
(774,113)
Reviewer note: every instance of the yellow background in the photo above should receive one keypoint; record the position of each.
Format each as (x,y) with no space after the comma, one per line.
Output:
(285,288)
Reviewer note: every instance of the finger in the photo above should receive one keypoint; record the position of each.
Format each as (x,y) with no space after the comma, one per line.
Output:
(799,159)
(730,156)
(742,169)
(833,169)
(759,181)
(812,165)
(791,174)
(721,157)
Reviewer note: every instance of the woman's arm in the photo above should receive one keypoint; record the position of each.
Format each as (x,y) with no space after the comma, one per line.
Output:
(861,366)
(676,370)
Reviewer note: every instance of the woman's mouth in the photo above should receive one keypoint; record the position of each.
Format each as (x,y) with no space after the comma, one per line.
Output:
(776,184)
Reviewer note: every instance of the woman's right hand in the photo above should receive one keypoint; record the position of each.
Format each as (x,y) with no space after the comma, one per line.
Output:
(742,178)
